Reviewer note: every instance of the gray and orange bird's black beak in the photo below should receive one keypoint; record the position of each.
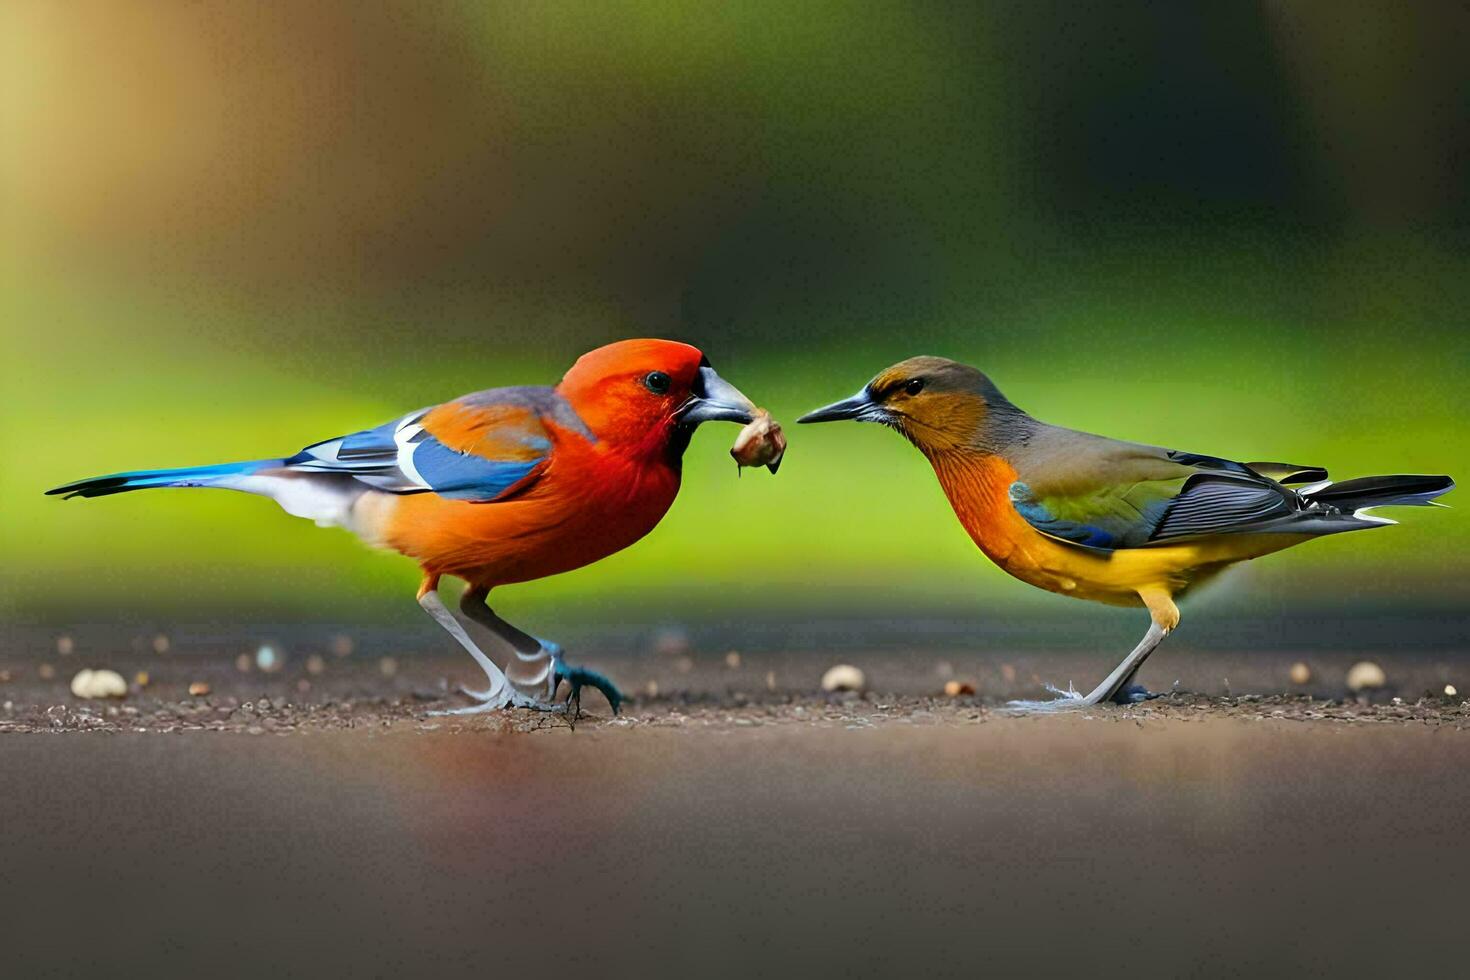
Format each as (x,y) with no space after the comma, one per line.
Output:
(861,407)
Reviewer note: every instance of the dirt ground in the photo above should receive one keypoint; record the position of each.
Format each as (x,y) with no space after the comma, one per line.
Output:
(317,820)
(709,692)
(285,714)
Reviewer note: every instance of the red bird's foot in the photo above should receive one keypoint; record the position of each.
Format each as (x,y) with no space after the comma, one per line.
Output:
(484,701)
(580,677)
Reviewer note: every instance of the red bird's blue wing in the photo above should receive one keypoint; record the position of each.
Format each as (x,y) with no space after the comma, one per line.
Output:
(475,448)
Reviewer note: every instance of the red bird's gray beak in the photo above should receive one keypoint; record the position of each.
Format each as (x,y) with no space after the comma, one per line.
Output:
(713,399)
(859,408)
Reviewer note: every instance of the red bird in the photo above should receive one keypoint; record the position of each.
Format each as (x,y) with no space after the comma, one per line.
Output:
(501,486)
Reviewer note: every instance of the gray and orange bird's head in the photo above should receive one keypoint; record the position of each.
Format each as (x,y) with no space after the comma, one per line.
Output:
(936,403)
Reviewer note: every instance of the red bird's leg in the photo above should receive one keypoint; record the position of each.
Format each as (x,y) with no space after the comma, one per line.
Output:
(532,673)
(500,692)
(539,665)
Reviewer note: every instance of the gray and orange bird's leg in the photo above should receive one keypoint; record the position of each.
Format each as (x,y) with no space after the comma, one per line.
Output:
(539,665)
(1165,616)
(1118,686)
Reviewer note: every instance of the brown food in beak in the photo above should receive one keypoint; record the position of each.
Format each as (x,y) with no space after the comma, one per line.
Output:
(761,443)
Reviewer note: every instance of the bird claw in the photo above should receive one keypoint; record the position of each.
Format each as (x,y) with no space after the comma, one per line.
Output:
(1133,694)
(484,701)
(1068,700)
(579,677)
(1071,699)
(537,695)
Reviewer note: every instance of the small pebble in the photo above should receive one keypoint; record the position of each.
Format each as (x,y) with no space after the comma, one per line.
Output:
(99,684)
(1300,673)
(651,689)
(198,689)
(141,678)
(1365,675)
(1008,672)
(46,672)
(315,664)
(160,644)
(732,660)
(770,680)
(243,663)
(65,645)
(955,689)
(341,645)
(1449,691)
(387,666)
(269,659)
(843,677)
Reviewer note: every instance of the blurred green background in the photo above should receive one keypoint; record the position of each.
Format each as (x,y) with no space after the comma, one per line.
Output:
(228,230)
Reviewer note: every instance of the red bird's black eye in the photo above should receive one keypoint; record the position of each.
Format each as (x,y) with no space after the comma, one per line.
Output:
(914,387)
(657,382)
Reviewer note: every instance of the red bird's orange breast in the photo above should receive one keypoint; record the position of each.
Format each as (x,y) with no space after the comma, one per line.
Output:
(584,504)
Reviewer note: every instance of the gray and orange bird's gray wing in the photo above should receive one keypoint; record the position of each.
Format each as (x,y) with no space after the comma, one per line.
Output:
(1108,494)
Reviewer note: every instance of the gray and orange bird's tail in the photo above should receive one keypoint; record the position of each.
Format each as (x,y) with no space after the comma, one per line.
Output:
(1367,492)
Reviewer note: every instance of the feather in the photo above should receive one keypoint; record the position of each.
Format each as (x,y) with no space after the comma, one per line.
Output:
(493,442)
(1288,472)
(475,448)
(1108,494)
(1383,491)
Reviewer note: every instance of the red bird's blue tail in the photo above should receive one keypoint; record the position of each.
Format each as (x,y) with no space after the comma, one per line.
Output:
(189,476)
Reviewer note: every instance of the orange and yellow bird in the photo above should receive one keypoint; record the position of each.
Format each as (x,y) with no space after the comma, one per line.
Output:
(1100,519)
(501,486)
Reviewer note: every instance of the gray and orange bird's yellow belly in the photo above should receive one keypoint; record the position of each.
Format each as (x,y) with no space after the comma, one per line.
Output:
(978,490)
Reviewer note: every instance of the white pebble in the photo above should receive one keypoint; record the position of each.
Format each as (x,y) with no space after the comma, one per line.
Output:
(99,684)
(268,658)
(1365,675)
(1300,673)
(844,677)
(1449,691)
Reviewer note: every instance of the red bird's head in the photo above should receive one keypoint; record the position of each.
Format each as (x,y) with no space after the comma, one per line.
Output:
(648,396)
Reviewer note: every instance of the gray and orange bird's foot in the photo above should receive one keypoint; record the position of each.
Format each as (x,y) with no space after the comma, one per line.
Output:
(1069,700)
(1117,688)
(1133,694)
